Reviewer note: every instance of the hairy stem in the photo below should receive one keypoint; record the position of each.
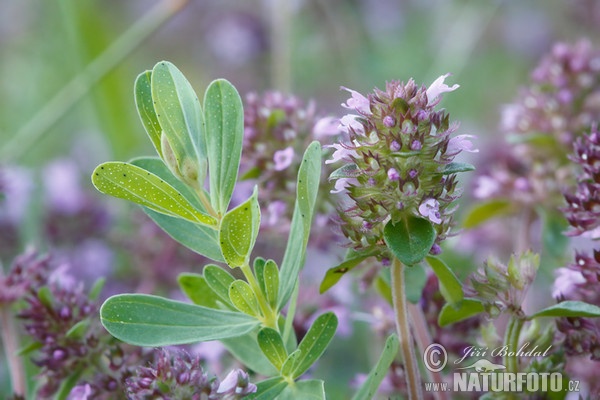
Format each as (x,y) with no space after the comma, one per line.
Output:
(10,341)
(411,366)
(511,341)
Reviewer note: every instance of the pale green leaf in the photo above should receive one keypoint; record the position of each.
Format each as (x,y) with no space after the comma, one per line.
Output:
(465,309)
(194,286)
(270,282)
(224,116)
(333,275)
(569,308)
(199,238)
(239,229)
(152,321)
(306,194)
(246,350)
(145,108)
(482,212)
(180,116)
(268,389)
(130,182)
(450,286)
(315,342)
(243,298)
(219,282)
(272,346)
(312,389)
(369,387)
(291,363)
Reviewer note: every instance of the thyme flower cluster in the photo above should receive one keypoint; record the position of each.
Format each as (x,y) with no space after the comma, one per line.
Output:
(560,104)
(398,162)
(277,129)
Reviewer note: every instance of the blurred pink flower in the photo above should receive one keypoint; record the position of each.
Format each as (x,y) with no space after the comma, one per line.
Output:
(283,158)
(357,102)
(437,88)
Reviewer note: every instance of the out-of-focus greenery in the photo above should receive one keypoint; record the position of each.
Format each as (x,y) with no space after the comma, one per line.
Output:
(311,47)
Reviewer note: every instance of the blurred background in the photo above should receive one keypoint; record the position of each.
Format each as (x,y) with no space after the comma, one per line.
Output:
(67,69)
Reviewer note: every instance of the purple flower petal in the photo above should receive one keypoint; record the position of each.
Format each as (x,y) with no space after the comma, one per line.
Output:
(327,126)
(430,208)
(460,143)
(357,102)
(283,158)
(437,88)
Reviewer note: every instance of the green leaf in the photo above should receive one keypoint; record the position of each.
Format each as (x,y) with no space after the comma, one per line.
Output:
(194,286)
(219,281)
(369,387)
(153,321)
(311,389)
(450,286)
(569,309)
(243,298)
(239,229)
(224,115)
(246,350)
(77,331)
(268,389)
(291,363)
(466,309)
(456,167)
(180,116)
(409,239)
(307,187)
(347,171)
(482,212)
(199,238)
(272,346)
(130,182)
(315,342)
(96,289)
(333,275)
(145,108)
(270,282)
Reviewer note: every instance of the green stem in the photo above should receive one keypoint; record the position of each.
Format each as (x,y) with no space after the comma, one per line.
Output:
(411,368)
(10,340)
(511,341)
(206,203)
(269,315)
(30,133)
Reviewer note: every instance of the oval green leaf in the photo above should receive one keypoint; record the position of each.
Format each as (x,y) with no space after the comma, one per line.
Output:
(485,211)
(152,321)
(450,286)
(270,282)
(199,238)
(224,115)
(333,275)
(268,389)
(410,239)
(243,298)
(291,363)
(239,229)
(272,346)
(466,309)
(315,342)
(129,182)
(219,282)
(180,116)
(145,109)
(569,309)
(194,286)
(310,389)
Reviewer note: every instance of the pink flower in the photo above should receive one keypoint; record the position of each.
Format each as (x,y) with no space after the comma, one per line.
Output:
(341,153)
(357,102)
(460,143)
(341,184)
(430,208)
(349,122)
(283,158)
(566,282)
(437,88)
(327,126)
